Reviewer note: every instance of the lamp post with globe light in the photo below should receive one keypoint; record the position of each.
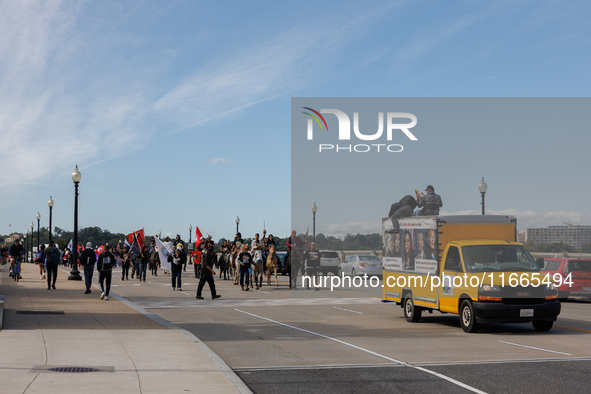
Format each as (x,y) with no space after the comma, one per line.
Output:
(50,205)
(237,223)
(75,274)
(31,241)
(38,224)
(482,187)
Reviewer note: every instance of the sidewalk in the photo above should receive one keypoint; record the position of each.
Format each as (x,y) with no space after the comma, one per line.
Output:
(134,353)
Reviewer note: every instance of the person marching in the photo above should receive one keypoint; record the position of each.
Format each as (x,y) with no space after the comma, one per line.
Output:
(88,258)
(244,259)
(40,259)
(104,266)
(208,259)
(176,268)
(52,261)
(312,258)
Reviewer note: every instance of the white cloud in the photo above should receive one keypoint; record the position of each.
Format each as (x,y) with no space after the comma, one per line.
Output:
(218,160)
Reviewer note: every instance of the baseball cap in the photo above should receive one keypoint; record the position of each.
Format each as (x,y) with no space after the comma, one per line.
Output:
(88,245)
(430,188)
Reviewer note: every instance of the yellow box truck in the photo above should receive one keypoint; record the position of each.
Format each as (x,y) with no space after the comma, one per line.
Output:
(468,265)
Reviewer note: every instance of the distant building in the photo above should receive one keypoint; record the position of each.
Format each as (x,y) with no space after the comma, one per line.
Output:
(12,238)
(573,235)
(521,237)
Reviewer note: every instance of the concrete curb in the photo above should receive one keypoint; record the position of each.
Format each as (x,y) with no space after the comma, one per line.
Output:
(230,374)
(225,368)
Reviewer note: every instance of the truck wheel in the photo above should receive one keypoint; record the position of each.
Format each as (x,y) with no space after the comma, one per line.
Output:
(467,318)
(563,296)
(412,313)
(542,325)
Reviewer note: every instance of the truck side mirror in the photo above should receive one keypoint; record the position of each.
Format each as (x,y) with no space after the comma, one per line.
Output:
(540,262)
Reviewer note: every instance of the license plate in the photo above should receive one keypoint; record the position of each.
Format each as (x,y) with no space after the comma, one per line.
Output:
(586,288)
(526,312)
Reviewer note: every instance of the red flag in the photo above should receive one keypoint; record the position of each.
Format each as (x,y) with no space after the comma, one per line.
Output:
(198,236)
(140,238)
(100,249)
(196,256)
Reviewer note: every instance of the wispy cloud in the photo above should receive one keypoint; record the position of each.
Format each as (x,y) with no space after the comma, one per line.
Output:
(218,160)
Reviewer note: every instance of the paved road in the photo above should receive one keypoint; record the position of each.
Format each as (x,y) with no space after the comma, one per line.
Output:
(347,340)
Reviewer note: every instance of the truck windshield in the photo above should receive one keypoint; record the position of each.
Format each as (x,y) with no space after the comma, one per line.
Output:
(498,258)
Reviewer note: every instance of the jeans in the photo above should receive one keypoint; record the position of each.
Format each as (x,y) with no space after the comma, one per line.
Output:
(88,270)
(51,272)
(209,279)
(176,276)
(105,276)
(125,270)
(418,212)
(141,270)
(243,273)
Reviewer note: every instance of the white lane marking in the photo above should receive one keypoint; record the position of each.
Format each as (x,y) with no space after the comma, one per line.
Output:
(135,284)
(456,382)
(184,293)
(347,310)
(260,291)
(535,348)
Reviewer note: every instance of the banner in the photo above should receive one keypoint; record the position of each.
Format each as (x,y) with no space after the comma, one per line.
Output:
(163,253)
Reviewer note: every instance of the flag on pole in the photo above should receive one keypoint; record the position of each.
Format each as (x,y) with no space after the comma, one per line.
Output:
(71,244)
(163,253)
(198,236)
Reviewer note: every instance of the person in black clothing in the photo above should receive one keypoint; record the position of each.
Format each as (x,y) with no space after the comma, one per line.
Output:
(208,260)
(143,263)
(88,258)
(15,252)
(312,257)
(104,266)
(245,260)
(126,262)
(52,261)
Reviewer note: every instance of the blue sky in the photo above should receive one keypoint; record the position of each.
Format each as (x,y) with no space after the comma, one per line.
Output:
(178,112)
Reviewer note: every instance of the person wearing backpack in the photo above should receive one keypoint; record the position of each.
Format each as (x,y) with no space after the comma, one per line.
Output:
(88,258)
(104,266)
(52,260)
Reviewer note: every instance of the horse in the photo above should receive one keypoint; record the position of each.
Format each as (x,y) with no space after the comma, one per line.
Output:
(224,262)
(271,265)
(257,269)
(294,263)
(236,264)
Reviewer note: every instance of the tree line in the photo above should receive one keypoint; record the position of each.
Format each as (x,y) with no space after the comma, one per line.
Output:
(98,236)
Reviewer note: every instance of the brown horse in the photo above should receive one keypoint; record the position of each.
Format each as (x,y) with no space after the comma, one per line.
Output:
(271,265)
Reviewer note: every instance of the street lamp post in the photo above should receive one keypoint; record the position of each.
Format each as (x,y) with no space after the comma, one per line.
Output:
(237,223)
(38,224)
(50,205)
(482,187)
(32,232)
(26,245)
(314,209)
(75,274)
(190,231)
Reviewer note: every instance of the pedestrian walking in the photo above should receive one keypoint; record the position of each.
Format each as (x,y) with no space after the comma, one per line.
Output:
(143,263)
(40,260)
(88,259)
(52,261)
(104,266)
(208,260)
(176,269)
(126,262)
(244,259)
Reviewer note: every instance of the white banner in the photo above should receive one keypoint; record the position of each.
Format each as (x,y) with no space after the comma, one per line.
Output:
(163,253)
